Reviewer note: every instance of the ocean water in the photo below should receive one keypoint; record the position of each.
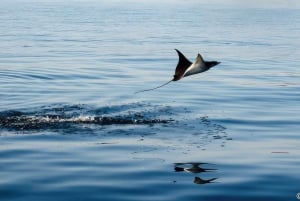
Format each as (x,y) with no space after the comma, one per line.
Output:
(72,127)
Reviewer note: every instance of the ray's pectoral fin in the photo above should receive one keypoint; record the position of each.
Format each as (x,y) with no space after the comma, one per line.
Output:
(199,60)
(182,66)
(197,67)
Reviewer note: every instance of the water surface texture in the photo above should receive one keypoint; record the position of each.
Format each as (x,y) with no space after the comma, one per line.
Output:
(71,127)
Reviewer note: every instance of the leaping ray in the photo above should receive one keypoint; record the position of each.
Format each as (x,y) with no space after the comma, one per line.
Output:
(186,68)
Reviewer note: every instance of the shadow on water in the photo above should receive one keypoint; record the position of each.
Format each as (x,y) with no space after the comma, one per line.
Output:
(195,169)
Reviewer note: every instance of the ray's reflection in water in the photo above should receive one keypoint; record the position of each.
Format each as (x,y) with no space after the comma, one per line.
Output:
(196,168)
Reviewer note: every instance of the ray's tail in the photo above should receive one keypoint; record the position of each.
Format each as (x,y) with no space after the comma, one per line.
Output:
(155,87)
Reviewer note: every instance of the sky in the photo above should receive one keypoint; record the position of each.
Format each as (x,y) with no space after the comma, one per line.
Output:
(286,4)
(229,3)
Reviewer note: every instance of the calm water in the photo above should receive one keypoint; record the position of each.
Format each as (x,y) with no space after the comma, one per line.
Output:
(71,127)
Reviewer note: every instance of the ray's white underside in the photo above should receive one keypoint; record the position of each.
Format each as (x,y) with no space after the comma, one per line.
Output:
(197,67)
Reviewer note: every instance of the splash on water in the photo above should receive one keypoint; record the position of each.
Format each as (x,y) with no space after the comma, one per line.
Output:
(66,116)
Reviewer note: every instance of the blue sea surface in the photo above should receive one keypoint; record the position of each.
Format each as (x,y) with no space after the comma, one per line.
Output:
(72,127)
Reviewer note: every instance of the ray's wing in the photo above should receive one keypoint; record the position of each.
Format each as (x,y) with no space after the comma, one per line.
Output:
(182,66)
(197,67)
(199,59)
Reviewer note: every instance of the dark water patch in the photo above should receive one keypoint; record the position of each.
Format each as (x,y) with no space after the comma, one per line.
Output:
(140,121)
(59,122)
(68,116)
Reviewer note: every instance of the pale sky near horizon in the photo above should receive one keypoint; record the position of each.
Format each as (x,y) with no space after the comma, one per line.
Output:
(246,3)
(285,4)
(227,3)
